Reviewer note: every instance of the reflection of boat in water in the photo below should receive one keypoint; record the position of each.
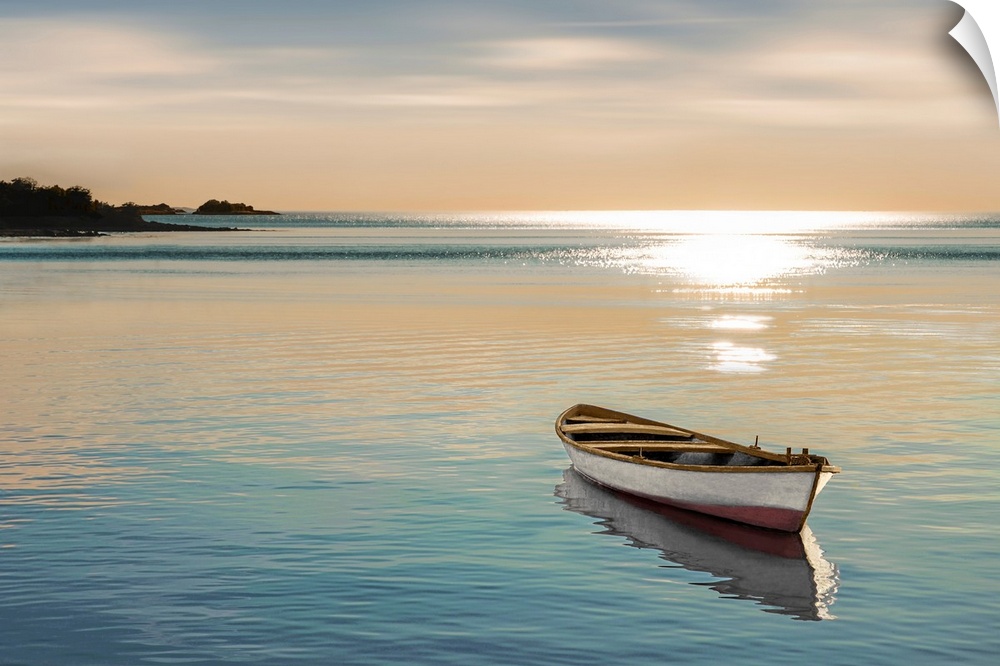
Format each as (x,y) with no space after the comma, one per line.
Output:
(786,571)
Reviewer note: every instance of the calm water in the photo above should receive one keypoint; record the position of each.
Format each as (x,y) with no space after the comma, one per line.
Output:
(329,440)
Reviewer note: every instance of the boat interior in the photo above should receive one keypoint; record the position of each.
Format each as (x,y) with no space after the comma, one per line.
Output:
(656,442)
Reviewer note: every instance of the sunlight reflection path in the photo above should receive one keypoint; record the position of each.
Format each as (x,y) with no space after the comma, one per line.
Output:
(720,260)
(730,357)
(740,322)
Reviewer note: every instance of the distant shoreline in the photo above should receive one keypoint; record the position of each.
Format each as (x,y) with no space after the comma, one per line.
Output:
(87,227)
(30,210)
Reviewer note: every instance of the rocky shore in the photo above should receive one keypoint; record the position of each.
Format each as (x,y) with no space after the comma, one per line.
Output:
(113,221)
(29,210)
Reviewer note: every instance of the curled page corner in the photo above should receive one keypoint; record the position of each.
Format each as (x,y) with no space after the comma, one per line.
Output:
(979,33)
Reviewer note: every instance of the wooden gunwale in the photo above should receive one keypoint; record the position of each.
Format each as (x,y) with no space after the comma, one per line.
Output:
(802,463)
(625,428)
(592,419)
(756,469)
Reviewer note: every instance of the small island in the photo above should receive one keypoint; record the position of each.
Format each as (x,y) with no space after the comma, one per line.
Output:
(216,207)
(160,209)
(28,209)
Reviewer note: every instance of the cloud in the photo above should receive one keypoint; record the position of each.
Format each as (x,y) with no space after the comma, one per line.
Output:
(58,64)
(563,53)
(803,74)
(93,50)
(889,77)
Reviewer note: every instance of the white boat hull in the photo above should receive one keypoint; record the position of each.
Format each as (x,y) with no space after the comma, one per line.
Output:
(778,499)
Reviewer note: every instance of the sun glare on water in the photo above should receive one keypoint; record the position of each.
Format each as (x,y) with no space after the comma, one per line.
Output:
(723,249)
(719,260)
(730,357)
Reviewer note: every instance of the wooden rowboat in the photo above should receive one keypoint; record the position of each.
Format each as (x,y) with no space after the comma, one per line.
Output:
(679,467)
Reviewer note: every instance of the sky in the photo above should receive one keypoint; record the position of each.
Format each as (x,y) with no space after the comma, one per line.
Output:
(442,105)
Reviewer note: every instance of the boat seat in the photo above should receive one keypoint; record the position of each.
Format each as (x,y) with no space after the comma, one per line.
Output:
(643,445)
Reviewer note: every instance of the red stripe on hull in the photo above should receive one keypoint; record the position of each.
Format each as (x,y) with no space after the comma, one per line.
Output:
(786,520)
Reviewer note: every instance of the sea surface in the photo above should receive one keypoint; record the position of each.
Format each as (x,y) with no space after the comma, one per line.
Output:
(328,439)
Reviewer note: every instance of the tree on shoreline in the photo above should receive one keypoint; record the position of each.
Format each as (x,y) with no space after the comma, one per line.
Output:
(24,197)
